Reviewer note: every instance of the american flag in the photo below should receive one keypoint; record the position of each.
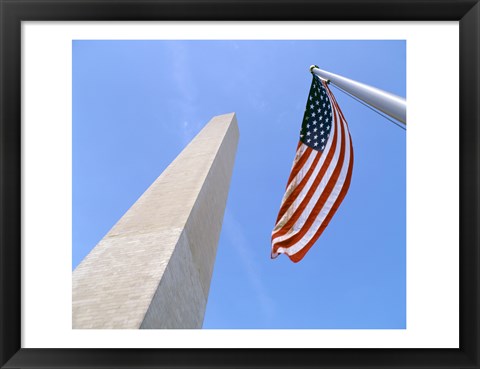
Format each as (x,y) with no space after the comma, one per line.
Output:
(320,175)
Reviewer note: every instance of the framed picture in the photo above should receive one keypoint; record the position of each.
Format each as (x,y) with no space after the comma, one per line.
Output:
(420,311)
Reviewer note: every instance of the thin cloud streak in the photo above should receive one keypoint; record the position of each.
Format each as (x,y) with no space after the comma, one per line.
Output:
(236,237)
(186,90)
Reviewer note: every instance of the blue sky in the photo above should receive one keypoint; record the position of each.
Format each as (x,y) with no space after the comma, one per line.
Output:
(137,104)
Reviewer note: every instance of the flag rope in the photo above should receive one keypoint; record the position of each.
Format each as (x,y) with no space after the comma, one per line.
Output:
(368,106)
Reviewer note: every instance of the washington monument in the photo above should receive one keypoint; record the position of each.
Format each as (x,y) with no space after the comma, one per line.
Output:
(153,268)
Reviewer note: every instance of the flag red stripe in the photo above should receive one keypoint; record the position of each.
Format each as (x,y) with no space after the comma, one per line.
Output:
(299,164)
(332,96)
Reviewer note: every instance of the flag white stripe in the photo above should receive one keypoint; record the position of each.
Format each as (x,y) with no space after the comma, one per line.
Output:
(300,151)
(301,173)
(294,183)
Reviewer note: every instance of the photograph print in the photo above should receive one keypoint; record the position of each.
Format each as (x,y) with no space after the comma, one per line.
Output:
(239,184)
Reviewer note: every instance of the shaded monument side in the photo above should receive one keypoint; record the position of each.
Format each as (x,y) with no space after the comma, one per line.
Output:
(182,294)
(114,285)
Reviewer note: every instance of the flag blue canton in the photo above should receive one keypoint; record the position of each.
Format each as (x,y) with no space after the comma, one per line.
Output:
(317,120)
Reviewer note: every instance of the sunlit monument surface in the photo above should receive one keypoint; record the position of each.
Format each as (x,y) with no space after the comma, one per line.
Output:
(153,268)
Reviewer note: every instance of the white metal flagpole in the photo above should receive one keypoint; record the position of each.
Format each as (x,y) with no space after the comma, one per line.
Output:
(388,103)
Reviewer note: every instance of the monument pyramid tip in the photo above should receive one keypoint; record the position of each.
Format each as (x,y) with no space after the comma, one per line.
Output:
(227,114)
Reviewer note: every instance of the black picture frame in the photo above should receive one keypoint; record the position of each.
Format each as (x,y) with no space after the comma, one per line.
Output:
(13,12)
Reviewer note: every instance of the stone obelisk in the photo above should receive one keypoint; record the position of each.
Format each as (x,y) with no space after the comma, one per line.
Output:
(153,268)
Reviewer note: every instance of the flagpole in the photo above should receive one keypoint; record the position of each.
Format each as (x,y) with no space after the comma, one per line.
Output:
(388,103)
